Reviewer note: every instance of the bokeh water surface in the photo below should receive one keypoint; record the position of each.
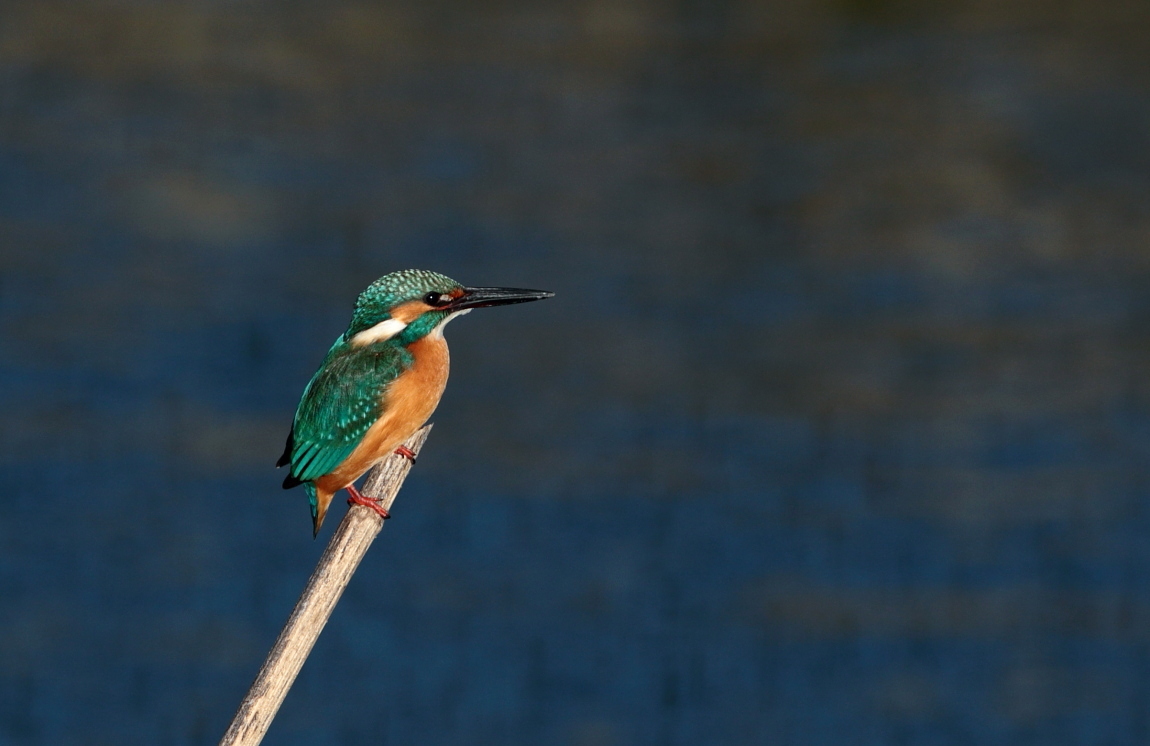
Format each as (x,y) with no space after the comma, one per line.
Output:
(836,431)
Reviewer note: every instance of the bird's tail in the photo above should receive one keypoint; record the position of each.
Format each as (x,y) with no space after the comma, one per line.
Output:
(319,500)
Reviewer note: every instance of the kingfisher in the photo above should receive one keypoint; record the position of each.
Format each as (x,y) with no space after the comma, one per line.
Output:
(378,384)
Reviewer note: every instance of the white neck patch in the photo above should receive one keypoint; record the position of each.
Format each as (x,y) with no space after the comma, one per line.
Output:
(437,332)
(381,332)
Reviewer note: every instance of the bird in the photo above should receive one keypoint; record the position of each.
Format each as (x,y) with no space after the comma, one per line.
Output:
(379,383)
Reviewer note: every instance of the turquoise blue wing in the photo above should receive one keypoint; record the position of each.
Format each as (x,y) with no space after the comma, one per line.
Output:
(339,405)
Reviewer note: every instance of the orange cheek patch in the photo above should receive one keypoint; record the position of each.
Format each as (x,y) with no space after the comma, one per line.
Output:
(410,311)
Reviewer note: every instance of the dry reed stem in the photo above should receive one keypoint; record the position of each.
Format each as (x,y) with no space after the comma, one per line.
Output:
(333,572)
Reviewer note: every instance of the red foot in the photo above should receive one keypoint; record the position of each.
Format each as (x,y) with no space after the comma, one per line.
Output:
(358,498)
(407,453)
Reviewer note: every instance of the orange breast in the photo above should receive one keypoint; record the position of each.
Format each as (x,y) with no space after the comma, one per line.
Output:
(407,403)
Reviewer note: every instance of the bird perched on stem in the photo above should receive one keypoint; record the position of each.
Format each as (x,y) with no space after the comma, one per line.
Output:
(379,383)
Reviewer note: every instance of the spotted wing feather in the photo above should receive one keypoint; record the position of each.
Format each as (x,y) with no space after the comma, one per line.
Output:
(339,405)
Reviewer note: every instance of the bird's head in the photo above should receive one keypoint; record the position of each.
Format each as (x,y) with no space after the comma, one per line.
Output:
(414,303)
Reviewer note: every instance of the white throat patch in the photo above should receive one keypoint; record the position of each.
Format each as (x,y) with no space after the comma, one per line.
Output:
(381,332)
(437,332)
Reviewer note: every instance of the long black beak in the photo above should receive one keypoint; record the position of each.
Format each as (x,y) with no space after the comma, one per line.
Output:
(484,297)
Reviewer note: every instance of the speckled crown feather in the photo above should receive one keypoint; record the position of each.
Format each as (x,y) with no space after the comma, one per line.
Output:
(381,296)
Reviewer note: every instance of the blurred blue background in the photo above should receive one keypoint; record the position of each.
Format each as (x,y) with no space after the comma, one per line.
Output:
(835,433)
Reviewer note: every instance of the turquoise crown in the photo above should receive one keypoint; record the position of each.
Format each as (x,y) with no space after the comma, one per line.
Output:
(375,303)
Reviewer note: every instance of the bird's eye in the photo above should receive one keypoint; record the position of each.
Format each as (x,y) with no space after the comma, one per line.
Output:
(431,299)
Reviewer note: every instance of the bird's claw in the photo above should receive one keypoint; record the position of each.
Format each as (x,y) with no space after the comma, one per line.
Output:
(407,453)
(358,498)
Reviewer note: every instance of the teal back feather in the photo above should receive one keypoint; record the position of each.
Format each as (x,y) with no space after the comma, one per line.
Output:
(340,403)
